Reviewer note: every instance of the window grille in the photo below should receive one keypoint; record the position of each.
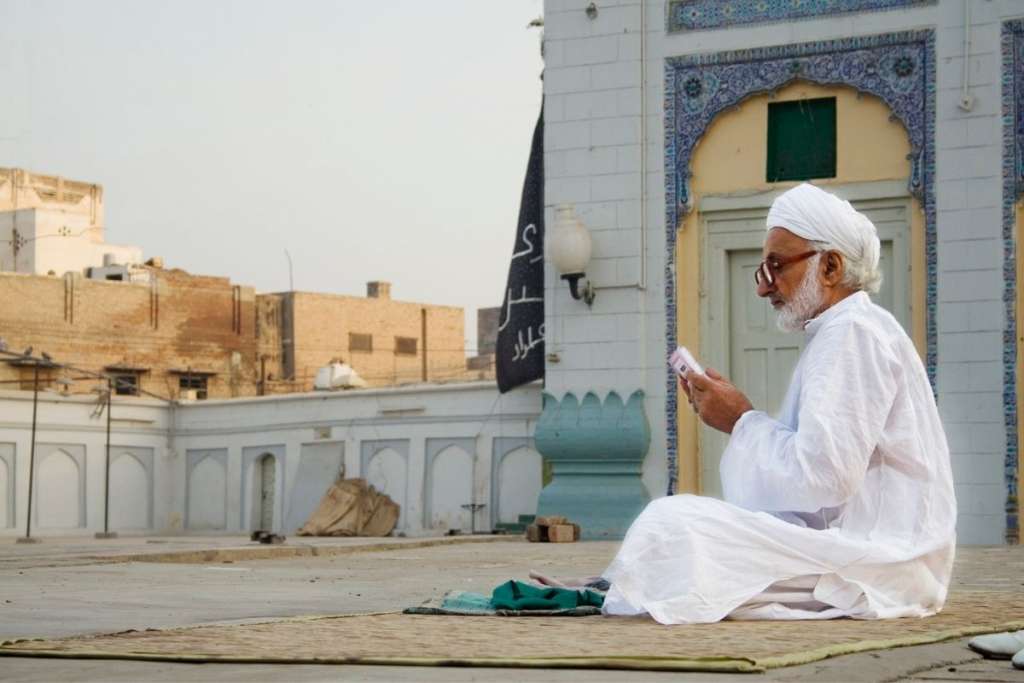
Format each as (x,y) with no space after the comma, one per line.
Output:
(186,382)
(405,346)
(126,384)
(360,342)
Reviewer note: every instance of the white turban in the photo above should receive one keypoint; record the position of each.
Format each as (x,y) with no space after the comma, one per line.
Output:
(820,216)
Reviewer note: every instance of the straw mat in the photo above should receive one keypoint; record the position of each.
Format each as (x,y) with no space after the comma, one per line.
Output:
(538,642)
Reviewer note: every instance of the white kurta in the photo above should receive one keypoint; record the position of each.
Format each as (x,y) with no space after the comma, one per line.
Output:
(842,506)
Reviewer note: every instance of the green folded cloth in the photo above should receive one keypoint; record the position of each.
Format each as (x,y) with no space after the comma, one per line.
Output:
(468,604)
(523,596)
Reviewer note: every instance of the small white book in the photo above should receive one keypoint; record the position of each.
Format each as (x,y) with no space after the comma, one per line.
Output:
(682,360)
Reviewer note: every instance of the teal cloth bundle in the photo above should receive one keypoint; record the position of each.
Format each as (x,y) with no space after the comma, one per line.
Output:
(515,599)
(516,595)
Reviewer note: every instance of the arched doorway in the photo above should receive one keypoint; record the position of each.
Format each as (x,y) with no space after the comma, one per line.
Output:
(519,482)
(387,472)
(264,492)
(450,488)
(719,245)
(130,505)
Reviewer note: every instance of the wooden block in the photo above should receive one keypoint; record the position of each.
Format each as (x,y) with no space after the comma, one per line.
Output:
(561,533)
(536,534)
(550,520)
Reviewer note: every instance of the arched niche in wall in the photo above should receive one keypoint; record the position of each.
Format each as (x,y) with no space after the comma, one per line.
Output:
(384,464)
(59,497)
(8,516)
(206,491)
(448,484)
(517,472)
(131,487)
(262,483)
(320,465)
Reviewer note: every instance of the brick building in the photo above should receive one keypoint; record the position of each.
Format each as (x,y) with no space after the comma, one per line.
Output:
(487,321)
(387,342)
(174,333)
(181,335)
(93,305)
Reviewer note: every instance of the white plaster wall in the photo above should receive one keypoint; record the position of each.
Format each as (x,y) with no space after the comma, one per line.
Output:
(58,489)
(412,415)
(129,478)
(22,220)
(970,309)
(211,498)
(82,248)
(69,423)
(5,479)
(593,155)
(595,132)
(519,484)
(57,242)
(451,487)
(388,472)
(207,484)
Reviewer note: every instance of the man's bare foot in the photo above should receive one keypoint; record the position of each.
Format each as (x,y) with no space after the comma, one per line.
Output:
(565,582)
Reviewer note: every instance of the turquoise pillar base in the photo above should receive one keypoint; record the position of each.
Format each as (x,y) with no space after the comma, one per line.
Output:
(596,452)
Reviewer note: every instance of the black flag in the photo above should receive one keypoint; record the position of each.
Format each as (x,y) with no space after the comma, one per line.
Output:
(520,347)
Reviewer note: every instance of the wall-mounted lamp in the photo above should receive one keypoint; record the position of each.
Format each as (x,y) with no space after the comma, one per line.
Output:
(569,246)
(591,11)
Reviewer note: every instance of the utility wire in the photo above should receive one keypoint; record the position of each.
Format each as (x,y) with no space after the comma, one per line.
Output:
(45,362)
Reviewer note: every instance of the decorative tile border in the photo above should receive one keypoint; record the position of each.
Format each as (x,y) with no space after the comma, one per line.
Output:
(1013,187)
(697,15)
(899,68)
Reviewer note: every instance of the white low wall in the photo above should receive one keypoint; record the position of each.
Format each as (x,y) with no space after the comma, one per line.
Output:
(199,467)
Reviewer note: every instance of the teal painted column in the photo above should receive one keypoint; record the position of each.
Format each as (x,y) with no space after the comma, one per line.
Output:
(596,451)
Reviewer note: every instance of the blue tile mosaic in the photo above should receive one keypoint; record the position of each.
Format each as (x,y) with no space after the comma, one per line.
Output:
(899,68)
(696,15)
(1013,188)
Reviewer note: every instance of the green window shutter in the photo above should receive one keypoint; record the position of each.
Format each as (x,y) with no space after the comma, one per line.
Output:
(802,139)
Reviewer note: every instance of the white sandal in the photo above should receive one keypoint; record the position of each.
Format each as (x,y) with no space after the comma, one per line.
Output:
(1001,646)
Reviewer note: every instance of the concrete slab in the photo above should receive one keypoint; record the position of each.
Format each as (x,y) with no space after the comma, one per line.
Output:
(77,550)
(55,594)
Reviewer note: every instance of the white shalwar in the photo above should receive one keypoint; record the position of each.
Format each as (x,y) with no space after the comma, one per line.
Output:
(843,506)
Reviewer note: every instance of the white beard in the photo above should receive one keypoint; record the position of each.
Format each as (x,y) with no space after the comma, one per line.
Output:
(806,302)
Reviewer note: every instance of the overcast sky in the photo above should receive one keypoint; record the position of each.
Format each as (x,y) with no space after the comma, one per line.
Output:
(382,139)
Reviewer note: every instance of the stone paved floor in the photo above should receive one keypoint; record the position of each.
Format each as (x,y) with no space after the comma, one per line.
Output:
(64,587)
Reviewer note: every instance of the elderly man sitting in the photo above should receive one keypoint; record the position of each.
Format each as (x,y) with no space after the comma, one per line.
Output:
(843,504)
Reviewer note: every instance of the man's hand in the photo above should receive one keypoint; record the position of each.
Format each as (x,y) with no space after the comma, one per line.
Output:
(685,386)
(718,403)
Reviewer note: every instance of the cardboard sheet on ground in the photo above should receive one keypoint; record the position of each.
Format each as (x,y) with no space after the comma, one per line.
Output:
(352,507)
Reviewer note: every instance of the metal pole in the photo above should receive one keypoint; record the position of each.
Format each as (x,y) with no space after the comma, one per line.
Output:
(106,485)
(32,457)
(106,533)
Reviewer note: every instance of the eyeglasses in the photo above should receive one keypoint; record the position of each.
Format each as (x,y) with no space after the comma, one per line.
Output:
(768,269)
